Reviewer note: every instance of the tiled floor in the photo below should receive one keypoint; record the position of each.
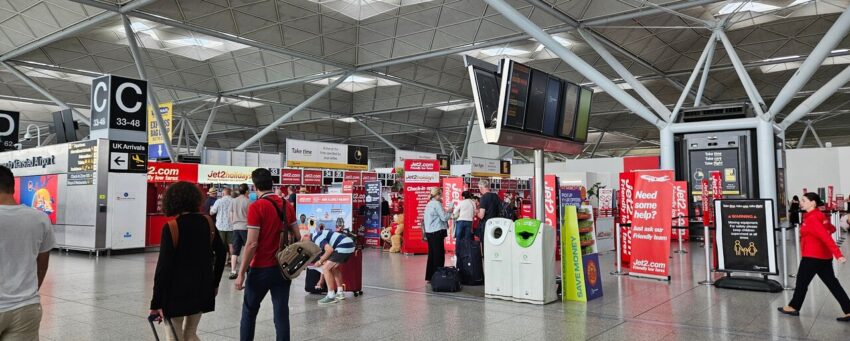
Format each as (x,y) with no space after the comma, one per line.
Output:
(106,299)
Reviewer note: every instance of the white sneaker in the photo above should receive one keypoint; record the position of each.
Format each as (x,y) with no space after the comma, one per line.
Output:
(340,296)
(328,300)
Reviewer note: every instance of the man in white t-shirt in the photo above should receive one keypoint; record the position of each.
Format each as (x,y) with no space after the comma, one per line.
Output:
(27,238)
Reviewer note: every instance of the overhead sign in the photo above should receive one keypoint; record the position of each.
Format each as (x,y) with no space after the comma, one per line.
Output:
(445,164)
(306,154)
(164,172)
(369,176)
(216,174)
(156,141)
(401,155)
(313,177)
(82,163)
(290,176)
(482,167)
(275,175)
(421,171)
(651,224)
(52,159)
(128,157)
(354,177)
(118,103)
(9,126)
(745,236)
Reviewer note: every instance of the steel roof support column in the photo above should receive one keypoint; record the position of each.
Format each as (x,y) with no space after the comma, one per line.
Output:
(830,40)
(440,140)
(297,109)
(574,61)
(818,97)
(207,127)
(627,76)
(373,132)
(802,138)
(667,148)
(154,102)
(706,67)
(468,135)
(596,146)
(46,93)
(709,47)
(814,133)
(766,152)
(746,81)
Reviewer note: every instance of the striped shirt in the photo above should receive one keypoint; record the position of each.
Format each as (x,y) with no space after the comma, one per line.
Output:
(338,241)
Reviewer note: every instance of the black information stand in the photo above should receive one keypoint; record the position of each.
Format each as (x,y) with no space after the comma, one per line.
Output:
(745,244)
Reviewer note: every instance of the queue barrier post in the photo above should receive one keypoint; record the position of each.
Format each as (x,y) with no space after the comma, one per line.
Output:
(707,242)
(796,228)
(784,245)
(617,249)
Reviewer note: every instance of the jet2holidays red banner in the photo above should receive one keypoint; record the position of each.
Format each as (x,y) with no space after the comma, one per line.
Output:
(651,223)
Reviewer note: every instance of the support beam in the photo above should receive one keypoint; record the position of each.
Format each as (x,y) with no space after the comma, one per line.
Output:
(292,112)
(373,132)
(746,81)
(814,133)
(574,61)
(74,29)
(766,151)
(154,102)
(508,151)
(802,138)
(26,79)
(708,47)
(440,140)
(468,135)
(621,70)
(705,69)
(807,69)
(809,104)
(667,149)
(283,83)
(207,127)
(596,146)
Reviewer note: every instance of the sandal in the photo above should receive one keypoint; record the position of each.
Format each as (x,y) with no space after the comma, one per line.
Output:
(792,312)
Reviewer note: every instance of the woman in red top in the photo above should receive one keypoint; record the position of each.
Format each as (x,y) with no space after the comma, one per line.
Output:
(817,248)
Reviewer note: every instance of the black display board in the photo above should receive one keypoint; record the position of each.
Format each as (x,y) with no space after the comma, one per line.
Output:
(551,110)
(745,235)
(536,101)
(9,128)
(486,87)
(724,161)
(517,93)
(570,108)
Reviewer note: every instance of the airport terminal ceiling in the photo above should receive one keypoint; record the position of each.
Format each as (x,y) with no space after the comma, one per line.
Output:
(409,83)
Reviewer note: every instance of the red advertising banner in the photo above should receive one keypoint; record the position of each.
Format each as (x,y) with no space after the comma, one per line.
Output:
(369,176)
(706,202)
(289,176)
(651,222)
(358,220)
(165,172)
(831,197)
(312,177)
(348,186)
(419,177)
(354,177)
(452,190)
(716,185)
(625,201)
(550,185)
(680,210)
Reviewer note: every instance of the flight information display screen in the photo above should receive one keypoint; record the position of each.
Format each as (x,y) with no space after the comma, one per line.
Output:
(551,110)
(518,83)
(568,116)
(487,88)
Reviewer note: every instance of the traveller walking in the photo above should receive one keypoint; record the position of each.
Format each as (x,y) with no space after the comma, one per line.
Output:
(271,224)
(221,211)
(818,249)
(464,213)
(239,223)
(190,264)
(26,238)
(436,223)
(209,201)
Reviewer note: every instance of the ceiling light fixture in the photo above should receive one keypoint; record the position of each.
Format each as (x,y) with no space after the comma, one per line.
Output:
(732,7)
(347,119)
(776,59)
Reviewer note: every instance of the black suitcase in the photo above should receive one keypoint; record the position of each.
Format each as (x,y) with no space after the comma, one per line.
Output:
(311,278)
(154,318)
(446,279)
(469,262)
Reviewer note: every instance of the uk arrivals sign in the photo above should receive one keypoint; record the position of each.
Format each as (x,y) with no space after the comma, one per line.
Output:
(651,223)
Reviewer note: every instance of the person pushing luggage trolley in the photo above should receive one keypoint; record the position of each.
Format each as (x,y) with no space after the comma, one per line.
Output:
(337,248)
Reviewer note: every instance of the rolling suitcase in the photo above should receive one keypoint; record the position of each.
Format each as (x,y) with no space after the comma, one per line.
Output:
(352,273)
(469,263)
(446,279)
(153,318)
(311,278)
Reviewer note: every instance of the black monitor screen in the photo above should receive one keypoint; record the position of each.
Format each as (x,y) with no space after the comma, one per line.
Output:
(583,116)
(536,101)
(517,95)
(568,116)
(488,94)
(551,111)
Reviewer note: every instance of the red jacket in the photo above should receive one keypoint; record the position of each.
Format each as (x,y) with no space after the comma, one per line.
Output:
(815,237)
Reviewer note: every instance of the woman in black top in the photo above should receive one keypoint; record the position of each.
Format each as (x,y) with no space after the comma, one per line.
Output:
(794,211)
(189,269)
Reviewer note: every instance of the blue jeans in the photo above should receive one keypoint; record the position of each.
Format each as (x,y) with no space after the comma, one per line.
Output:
(463,230)
(259,282)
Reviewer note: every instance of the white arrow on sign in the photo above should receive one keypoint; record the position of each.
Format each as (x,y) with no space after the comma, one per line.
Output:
(119,161)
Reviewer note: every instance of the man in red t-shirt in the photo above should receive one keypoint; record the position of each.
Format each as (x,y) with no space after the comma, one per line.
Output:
(265,226)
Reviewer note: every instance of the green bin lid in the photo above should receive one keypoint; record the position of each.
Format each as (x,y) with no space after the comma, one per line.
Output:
(526,231)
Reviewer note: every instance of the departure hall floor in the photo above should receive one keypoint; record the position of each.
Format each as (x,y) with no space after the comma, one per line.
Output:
(107,299)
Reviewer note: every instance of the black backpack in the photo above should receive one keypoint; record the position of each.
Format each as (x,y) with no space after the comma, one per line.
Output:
(507,211)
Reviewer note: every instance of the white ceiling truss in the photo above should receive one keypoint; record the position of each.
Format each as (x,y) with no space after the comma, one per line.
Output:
(265,57)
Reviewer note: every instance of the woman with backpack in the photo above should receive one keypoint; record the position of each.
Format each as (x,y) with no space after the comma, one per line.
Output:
(191,261)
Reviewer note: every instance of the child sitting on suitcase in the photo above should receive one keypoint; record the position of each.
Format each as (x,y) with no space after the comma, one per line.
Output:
(336,249)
